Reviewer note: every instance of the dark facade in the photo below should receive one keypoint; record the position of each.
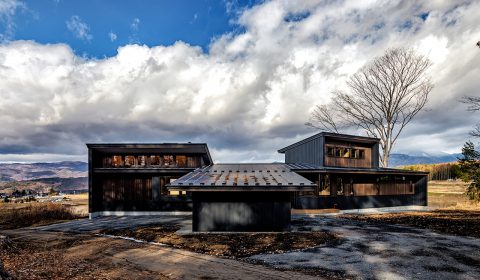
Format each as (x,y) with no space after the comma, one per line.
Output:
(346,171)
(133,177)
(326,170)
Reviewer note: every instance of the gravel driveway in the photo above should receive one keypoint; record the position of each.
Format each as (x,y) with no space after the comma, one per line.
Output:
(381,252)
(364,251)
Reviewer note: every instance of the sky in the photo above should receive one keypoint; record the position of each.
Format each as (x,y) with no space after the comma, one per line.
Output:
(242,76)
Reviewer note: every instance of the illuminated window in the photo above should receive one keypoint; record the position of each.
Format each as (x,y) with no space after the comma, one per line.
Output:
(142,161)
(168,161)
(117,161)
(129,161)
(154,160)
(325,185)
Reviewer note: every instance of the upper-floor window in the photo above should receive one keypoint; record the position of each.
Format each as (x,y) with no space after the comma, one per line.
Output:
(129,161)
(343,152)
(181,161)
(168,160)
(117,161)
(153,161)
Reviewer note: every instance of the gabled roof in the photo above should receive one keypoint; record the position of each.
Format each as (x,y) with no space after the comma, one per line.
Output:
(175,148)
(334,136)
(243,177)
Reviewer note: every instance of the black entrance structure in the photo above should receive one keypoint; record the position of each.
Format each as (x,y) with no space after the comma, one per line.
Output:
(242,197)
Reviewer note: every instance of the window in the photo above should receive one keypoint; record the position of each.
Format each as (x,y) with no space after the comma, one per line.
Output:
(344,152)
(168,160)
(330,151)
(154,160)
(339,186)
(338,152)
(107,162)
(117,161)
(175,193)
(142,161)
(325,185)
(355,153)
(181,161)
(361,154)
(129,161)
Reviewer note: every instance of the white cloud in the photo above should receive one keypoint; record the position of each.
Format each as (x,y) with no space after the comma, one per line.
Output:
(79,28)
(250,94)
(8,9)
(112,36)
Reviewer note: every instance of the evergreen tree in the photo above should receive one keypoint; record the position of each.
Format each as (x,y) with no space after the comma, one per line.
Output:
(470,167)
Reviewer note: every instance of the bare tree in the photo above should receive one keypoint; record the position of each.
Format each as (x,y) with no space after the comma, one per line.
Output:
(473,105)
(383,97)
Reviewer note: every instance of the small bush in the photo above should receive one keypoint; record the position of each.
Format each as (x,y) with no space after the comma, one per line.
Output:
(36,214)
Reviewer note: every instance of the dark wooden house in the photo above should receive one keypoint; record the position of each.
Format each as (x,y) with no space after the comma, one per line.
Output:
(130,178)
(346,171)
(326,170)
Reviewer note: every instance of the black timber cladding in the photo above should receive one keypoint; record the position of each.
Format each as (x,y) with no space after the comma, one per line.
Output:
(242,177)
(241,211)
(311,150)
(139,188)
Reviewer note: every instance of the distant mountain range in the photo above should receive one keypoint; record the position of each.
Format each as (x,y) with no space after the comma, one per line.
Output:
(32,171)
(404,159)
(66,176)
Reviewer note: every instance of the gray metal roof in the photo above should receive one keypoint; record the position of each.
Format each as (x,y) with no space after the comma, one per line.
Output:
(336,136)
(241,177)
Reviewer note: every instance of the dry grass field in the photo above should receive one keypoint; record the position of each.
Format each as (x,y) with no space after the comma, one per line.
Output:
(449,195)
(45,211)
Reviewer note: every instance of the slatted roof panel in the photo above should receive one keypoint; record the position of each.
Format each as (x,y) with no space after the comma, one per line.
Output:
(305,167)
(229,176)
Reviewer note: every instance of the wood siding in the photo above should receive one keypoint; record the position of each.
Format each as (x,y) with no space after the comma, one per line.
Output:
(136,192)
(365,162)
(367,193)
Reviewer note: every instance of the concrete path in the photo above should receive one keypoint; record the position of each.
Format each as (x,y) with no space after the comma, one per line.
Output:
(114,222)
(382,252)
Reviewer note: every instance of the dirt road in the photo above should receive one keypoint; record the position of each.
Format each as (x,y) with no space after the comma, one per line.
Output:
(123,259)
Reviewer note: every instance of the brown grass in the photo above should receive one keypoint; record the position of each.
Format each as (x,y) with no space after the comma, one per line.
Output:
(237,245)
(35,214)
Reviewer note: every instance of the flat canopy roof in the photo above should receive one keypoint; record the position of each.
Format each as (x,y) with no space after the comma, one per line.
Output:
(242,177)
(306,168)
